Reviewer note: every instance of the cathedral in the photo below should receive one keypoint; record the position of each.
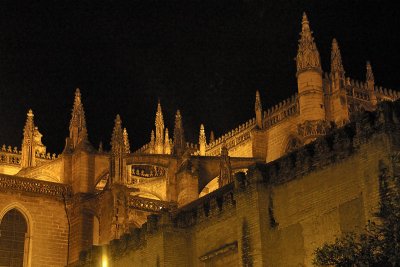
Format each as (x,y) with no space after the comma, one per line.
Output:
(266,193)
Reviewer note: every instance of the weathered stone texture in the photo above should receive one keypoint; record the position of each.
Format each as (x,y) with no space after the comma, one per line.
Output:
(47,227)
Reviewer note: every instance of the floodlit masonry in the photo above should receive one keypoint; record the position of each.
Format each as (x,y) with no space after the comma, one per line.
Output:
(266,193)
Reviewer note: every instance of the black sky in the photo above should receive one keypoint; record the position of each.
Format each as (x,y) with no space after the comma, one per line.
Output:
(206,58)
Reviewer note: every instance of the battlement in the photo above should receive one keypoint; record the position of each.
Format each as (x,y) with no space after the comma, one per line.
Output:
(205,207)
(279,112)
(358,90)
(335,146)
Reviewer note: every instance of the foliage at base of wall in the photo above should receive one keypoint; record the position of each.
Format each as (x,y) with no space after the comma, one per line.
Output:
(379,245)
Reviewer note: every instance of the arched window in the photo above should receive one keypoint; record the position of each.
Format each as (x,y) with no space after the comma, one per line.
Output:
(13,231)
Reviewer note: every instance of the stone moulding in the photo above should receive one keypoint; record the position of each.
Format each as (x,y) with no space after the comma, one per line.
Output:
(152,205)
(13,183)
(221,250)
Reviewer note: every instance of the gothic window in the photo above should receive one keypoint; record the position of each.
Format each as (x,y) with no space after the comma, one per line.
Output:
(13,230)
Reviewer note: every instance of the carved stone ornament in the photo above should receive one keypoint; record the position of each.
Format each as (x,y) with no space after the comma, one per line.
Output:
(313,128)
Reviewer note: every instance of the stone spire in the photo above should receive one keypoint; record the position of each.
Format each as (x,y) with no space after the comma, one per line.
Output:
(152,142)
(167,144)
(77,126)
(307,54)
(28,142)
(371,84)
(212,137)
(258,110)
(117,151)
(117,139)
(159,123)
(179,136)
(126,142)
(336,60)
(202,141)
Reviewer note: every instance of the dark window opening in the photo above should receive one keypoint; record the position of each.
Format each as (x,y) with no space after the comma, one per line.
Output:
(13,229)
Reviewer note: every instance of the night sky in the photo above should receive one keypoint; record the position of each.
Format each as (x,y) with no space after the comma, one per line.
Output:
(206,58)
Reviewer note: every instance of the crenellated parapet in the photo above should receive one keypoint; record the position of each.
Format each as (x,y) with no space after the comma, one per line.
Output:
(232,138)
(336,145)
(359,95)
(281,111)
(206,208)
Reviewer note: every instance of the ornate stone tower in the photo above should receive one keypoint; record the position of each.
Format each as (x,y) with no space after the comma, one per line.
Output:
(202,141)
(77,126)
(118,149)
(339,112)
(309,76)
(159,123)
(28,142)
(371,84)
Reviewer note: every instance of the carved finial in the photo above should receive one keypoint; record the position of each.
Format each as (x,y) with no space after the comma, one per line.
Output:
(77,126)
(370,74)
(202,141)
(307,54)
(126,142)
(336,60)
(258,110)
(117,139)
(159,123)
(179,136)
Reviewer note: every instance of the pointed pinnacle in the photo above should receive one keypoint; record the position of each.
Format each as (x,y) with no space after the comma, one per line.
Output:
(30,113)
(201,127)
(159,106)
(305,19)
(335,45)
(370,74)
(77,95)
(117,119)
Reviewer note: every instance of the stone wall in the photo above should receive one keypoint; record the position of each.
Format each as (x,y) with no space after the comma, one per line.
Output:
(47,227)
(278,213)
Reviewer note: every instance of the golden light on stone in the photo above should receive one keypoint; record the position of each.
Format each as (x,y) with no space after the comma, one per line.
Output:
(216,202)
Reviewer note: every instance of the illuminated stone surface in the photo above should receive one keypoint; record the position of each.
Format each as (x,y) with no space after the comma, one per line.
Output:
(272,189)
